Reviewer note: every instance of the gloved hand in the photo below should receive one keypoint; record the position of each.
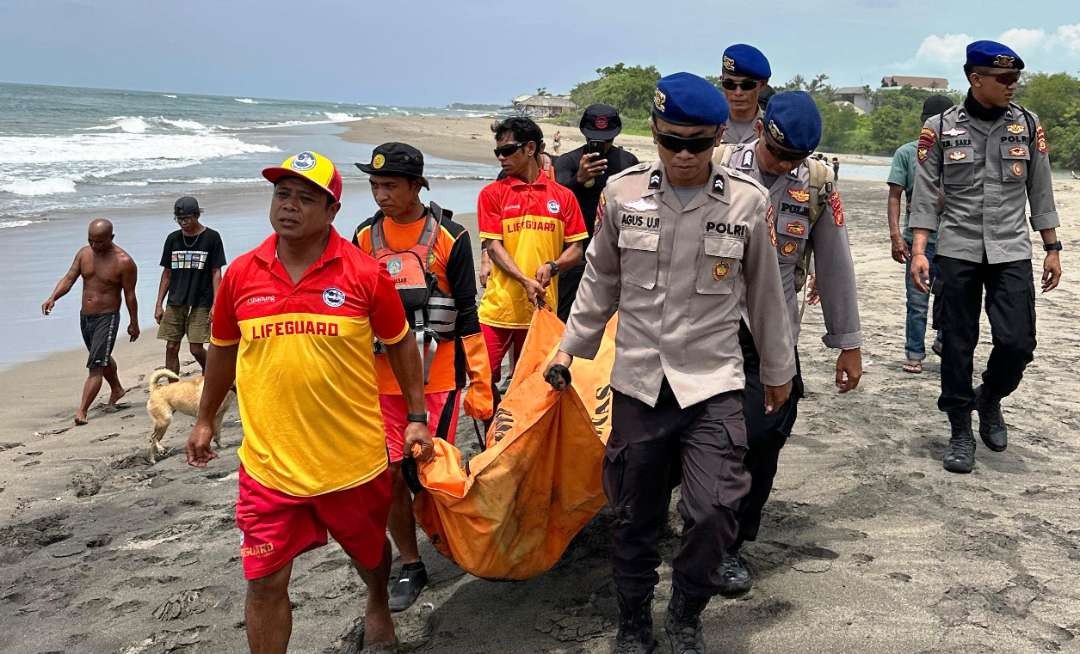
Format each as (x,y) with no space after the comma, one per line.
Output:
(478,402)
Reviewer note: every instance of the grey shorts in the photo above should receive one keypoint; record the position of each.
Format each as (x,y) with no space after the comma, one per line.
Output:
(99,335)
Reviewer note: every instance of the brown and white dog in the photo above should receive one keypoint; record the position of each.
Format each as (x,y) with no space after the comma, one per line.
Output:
(182,396)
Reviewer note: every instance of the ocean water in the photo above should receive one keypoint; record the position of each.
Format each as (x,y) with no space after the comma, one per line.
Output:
(92,150)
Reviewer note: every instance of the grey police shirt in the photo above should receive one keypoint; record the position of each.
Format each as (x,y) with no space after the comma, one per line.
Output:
(789,218)
(679,275)
(740,132)
(989,172)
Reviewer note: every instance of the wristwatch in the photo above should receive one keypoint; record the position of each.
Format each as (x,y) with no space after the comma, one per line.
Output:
(554,268)
(417,417)
(1052,247)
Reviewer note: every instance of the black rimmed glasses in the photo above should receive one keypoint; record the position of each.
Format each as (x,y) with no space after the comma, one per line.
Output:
(746,84)
(677,144)
(504,151)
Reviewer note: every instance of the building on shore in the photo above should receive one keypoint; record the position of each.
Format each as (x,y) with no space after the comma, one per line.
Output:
(543,106)
(856,96)
(922,83)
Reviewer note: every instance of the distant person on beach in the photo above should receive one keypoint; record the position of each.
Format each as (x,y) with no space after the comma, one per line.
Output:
(745,75)
(990,156)
(191,263)
(556,142)
(679,247)
(901,182)
(106,270)
(532,228)
(585,171)
(836,168)
(293,326)
(805,214)
(429,258)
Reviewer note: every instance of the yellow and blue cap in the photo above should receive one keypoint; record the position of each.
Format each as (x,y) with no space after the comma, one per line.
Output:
(312,166)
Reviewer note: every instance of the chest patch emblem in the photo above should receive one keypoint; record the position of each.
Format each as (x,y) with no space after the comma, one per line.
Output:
(720,270)
(957,155)
(1017,169)
(334,297)
(1015,129)
(789,248)
(1017,151)
(553,206)
(955,131)
(796,229)
(799,195)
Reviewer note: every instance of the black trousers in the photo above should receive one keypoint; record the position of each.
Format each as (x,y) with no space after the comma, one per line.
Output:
(766,436)
(1010,306)
(569,281)
(651,449)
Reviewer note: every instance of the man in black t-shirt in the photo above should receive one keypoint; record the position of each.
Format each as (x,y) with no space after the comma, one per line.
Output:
(191,264)
(585,171)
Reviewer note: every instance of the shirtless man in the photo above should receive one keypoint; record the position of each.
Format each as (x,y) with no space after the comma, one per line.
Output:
(105,270)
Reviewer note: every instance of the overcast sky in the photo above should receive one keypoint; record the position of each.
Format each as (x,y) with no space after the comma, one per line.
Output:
(431,52)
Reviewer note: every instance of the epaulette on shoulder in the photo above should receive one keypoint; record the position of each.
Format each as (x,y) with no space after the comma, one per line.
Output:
(743,177)
(632,170)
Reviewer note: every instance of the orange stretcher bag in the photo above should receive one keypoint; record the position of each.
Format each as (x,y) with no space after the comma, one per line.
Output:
(511,513)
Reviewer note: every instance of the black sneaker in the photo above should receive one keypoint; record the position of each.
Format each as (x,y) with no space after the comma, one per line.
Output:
(960,455)
(735,577)
(411,580)
(992,429)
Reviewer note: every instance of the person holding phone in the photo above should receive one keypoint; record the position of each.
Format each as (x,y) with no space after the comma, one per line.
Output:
(585,171)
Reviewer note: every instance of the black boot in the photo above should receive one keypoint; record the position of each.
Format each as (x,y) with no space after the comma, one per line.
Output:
(735,578)
(404,591)
(960,456)
(992,427)
(635,626)
(683,624)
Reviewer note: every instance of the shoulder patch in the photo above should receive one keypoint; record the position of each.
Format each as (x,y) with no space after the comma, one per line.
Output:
(837,207)
(632,170)
(1040,140)
(927,138)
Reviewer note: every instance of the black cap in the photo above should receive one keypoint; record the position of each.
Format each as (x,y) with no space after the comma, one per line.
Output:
(934,105)
(396,159)
(764,95)
(186,206)
(600,122)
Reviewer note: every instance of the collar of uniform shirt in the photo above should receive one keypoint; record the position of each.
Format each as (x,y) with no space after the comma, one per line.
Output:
(982,113)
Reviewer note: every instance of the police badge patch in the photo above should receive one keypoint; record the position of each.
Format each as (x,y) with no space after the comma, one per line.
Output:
(837,208)
(729,63)
(789,248)
(721,270)
(1040,140)
(1014,129)
(718,184)
(655,179)
(927,138)
(1017,169)
(659,99)
(799,195)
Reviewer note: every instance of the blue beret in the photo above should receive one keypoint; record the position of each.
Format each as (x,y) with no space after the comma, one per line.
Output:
(746,61)
(793,121)
(993,55)
(686,99)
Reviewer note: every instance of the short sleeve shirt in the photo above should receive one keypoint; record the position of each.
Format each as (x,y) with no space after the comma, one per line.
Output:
(534,222)
(191,261)
(305,373)
(902,173)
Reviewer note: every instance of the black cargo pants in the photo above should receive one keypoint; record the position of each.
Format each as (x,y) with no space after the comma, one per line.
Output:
(649,451)
(1010,306)
(767,435)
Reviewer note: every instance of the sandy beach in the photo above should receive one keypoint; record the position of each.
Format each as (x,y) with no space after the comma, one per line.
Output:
(867,546)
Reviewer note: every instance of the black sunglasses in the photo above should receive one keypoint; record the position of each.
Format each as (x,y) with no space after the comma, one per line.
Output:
(746,84)
(1004,79)
(508,149)
(677,144)
(784,154)
(185,218)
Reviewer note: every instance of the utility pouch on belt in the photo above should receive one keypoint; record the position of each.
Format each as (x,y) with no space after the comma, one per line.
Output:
(432,314)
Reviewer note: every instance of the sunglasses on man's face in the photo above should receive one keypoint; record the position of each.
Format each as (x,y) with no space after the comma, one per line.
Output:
(784,154)
(508,149)
(746,84)
(185,218)
(677,144)
(1004,79)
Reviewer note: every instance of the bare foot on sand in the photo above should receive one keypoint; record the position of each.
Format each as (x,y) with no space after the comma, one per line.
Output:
(379,630)
(114,397)
(80,419)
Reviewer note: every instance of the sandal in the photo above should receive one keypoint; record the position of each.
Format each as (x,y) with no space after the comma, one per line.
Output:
(913,366)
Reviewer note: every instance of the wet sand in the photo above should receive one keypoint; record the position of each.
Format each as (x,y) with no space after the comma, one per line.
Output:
(868,545)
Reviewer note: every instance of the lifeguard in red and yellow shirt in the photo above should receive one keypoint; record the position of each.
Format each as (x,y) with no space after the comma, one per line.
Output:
(293,325)
(532,228)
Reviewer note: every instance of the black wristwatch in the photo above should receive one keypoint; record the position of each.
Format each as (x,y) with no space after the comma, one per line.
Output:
(417,417)
(1052,247)
(554,268)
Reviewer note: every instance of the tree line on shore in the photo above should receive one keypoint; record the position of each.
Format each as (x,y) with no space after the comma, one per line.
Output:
(894,120)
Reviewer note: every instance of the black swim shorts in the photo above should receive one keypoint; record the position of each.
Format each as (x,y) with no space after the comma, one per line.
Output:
(99,334)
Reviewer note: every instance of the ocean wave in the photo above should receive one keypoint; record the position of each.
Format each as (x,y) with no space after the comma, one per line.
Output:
(180,123)
(207,180)
(123,147)
(7,224)
(245,100)
(35,187)
(169,95)
(126,124)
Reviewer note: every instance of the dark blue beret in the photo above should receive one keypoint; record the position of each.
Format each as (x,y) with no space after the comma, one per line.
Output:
(793,121)
(993,55)
(746,61)
(686,99)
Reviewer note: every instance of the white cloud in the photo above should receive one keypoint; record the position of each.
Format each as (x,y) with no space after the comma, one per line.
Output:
(947,48)
(1021,39)
(1069,37)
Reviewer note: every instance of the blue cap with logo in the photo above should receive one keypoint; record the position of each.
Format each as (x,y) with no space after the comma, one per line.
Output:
(993,55)
(747,61)
(686,99)
(792,121)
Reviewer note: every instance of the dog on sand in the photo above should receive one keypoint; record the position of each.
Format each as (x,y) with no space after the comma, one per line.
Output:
(183,396)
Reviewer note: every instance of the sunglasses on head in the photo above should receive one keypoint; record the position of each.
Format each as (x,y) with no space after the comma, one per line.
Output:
(677,144)
(508,149)
(746,84)
(783,154)
(1004,79)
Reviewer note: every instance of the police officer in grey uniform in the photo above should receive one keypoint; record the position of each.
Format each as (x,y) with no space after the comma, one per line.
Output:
(745,76)
(801,216)
(680,246)
(990,156)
